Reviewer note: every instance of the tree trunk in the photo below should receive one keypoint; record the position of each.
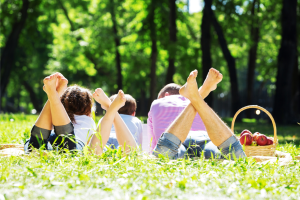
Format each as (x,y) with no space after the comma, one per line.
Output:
(254,35)
(8,52)
(235,99)
(286,60)
(206,45)
(172,46)
(153,53)
(117,43)
(34,99)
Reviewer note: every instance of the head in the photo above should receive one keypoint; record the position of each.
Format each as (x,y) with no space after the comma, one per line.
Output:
(170,89)
(77,101)
(130,105)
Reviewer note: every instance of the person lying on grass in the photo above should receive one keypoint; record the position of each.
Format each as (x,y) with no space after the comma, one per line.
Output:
(111,117)
(127,113)
(169,144)
(68,110)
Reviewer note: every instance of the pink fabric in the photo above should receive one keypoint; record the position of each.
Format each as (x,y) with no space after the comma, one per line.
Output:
(163,112)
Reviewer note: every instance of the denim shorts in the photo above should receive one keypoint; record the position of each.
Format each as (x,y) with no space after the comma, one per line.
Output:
(79,144)
(169,145)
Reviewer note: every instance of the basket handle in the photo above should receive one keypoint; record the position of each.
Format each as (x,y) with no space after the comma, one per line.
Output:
(260,108)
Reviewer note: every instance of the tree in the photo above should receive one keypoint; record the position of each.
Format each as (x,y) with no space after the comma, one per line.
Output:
(235,99)
(173,38)
(8,52)
(286,61)
(254,35)
(154,52)
(206,44)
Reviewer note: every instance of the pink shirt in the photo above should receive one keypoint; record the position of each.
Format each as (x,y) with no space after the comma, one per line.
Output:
(163,112)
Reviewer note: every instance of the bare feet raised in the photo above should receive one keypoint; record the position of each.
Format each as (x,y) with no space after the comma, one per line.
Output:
(119,101)
(190,88)
(213,78)
(62,84)
(100,96)
(50,84)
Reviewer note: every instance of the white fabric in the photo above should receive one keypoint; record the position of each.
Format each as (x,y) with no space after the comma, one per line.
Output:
(146,139)
(84,127)
(135,127)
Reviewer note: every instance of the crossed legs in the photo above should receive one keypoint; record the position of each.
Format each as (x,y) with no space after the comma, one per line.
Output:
(53,114)
(111,117)
(218,132)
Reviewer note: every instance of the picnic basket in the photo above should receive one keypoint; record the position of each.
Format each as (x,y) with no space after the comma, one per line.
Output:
(268,150)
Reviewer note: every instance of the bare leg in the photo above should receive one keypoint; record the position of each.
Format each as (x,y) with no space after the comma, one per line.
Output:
(182,124)
(45,119)
(58,112)
(123,134)
(106,124)
(216,128)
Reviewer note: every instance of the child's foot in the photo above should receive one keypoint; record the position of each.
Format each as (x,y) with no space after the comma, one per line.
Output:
(119,101)
(62,84)
(100,96)
(213,78)
(190,88)
(50,86)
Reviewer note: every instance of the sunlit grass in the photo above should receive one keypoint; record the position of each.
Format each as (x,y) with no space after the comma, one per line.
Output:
(112,176)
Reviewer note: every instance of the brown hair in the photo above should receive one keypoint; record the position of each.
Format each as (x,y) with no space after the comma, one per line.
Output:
(171,88)
(77,101)
(130,105)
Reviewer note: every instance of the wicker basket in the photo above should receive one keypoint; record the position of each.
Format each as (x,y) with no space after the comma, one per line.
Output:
(268,150)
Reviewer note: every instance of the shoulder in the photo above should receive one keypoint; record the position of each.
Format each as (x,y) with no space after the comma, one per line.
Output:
(170,101)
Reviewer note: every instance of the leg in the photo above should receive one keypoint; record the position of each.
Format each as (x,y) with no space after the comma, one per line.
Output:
(111,116)
(43,125)
(182,124)
(217,130)
(60,119)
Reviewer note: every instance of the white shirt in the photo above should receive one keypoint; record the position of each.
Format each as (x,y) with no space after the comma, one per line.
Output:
(134,125)
(84,127)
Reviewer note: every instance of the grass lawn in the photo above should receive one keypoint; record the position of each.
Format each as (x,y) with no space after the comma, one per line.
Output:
(111,176)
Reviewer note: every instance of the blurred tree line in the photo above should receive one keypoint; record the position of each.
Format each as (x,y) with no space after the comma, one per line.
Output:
(139,46)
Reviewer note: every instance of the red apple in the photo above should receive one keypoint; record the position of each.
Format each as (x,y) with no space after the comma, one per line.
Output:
(262,140)
(270,141)
(255,136)
(245,131)
(246,139)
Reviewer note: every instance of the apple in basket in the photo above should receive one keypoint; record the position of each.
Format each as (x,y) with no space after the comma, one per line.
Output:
(255,136)
(262,140)
(245,131)
(254,143)
(270,141)
(246,139)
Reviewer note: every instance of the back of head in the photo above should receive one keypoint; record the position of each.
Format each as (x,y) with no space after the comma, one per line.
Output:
(77,101)
(171,88)
(130,105)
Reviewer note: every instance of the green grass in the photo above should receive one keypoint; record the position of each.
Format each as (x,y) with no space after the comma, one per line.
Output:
(111,176)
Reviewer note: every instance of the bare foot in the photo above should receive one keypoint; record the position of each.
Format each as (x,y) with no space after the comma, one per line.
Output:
(119,101)
(100,96)
(50,86)
(190,88)
(213,78)
(62,84)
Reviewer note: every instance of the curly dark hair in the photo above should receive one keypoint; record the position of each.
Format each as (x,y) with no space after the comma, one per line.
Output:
(77,101)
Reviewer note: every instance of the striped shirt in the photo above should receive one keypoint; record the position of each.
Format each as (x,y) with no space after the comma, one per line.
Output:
(163,112)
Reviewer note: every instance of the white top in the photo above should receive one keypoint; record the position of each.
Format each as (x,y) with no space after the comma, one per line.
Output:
(134,125)
(84,127)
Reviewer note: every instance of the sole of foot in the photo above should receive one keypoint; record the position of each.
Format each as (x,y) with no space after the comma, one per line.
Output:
(62,84)
(190,88)
(212,79)
(100,96)
(119,101)
(50,84)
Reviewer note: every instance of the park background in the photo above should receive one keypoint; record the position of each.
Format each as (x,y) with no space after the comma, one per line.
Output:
(139,46)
